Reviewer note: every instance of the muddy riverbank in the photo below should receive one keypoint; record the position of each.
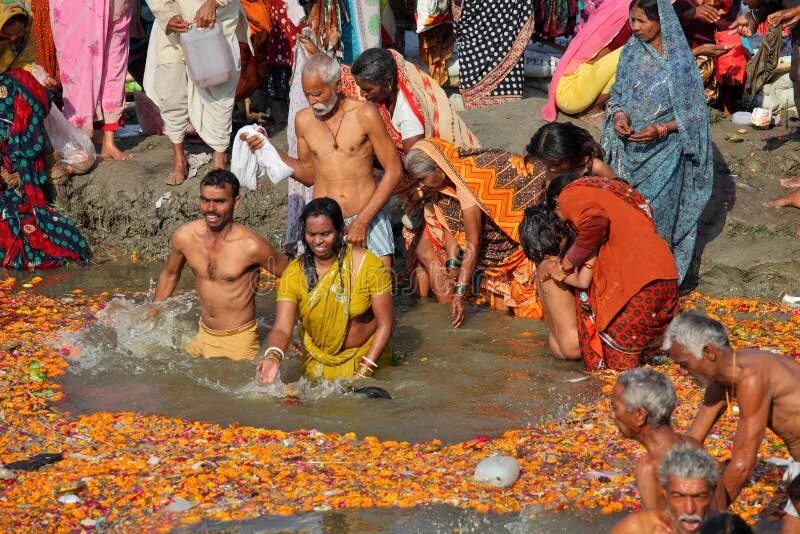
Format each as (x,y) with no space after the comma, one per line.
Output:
(748,249)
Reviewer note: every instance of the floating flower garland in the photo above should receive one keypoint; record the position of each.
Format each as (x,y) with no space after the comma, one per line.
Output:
(124,470)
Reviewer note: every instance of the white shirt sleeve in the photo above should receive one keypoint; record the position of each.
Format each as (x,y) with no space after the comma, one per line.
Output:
(404,119)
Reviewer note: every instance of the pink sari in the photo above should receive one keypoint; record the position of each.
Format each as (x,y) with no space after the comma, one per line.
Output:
(92,49)
(599,31)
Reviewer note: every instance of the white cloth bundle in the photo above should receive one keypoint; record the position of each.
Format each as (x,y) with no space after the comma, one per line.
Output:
(248,165)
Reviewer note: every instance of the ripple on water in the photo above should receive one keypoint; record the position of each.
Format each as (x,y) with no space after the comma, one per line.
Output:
(493,374)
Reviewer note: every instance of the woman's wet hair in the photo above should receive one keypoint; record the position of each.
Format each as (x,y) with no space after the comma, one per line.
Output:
(559,142)
(649,8)
(542,234)
(556,186)
(376,66)
(321,207)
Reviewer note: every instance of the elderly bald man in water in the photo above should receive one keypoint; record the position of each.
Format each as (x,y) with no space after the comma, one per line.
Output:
(765,385)
(337,139)
(642,403)
(226,259)
(688,477)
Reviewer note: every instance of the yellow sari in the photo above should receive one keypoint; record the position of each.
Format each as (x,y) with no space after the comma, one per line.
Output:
(325,311)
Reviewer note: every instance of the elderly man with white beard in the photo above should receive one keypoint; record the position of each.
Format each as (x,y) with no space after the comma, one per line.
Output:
(337,140)
(688,477)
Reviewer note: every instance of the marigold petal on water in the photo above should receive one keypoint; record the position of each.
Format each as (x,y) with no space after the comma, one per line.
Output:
(238,472)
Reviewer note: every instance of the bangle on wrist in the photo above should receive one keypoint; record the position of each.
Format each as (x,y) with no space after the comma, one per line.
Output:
(364,371)
(274,359)
(276,353)
(460,290)
(662,130)
(369,362)
(452,263)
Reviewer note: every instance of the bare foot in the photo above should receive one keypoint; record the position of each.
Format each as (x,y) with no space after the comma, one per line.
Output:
(790,182)
(219,160)
(115,153)
(790,199)
(110,149)
(179,173)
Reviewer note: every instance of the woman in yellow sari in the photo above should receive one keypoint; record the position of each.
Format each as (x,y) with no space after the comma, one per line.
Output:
(342,296)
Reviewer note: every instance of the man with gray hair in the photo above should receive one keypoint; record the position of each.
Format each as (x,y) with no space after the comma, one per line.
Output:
(642,403)
(688,478)
(337,140)
(765,385)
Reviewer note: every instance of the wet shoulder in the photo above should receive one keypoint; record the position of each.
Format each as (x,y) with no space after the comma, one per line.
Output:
(188,232)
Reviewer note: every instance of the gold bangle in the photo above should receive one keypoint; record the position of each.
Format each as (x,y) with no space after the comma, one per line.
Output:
(274,359)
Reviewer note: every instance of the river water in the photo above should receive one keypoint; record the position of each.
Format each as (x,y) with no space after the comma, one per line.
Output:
(492,374)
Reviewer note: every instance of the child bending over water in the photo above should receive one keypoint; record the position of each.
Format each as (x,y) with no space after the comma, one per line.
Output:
(545,239)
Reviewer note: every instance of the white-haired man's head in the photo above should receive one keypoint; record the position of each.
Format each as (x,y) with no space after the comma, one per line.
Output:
(696,343)
(642,397)
(320,76)
(688,478)
(694,332)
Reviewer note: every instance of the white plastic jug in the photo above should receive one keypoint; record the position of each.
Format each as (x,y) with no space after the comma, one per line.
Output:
(208,56)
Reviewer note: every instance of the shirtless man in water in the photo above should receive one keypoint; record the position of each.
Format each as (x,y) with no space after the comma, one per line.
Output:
(226,259)
(642,403)
(337,140)
(765,385)
(687,478)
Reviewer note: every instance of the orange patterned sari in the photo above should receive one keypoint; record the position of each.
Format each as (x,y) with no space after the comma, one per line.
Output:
(503,185)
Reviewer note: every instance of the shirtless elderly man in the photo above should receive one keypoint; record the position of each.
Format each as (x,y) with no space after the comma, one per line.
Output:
(642,404)
(226,259)
(688,477)
(337,140)
(765,385)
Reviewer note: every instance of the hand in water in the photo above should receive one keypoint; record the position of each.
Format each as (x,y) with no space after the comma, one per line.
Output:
(153,310)
(266,371)
(457,310)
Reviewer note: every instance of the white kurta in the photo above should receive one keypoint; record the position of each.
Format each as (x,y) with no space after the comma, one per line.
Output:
(167,82)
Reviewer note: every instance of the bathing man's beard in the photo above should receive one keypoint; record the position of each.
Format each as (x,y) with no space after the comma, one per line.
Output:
(320,109)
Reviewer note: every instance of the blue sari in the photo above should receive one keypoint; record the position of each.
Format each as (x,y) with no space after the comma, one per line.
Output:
(676,173)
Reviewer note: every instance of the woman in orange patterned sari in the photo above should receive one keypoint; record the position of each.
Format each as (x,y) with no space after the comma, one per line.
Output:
(473,203)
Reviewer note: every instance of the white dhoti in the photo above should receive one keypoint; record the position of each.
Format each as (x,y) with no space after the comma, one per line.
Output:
(167,81)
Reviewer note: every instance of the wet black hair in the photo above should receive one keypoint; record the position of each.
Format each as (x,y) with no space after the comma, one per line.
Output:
(325,207)
(556,186)
(563,142)
(541,234)
(725,523)
(375,65)
(220,177)
(649,7)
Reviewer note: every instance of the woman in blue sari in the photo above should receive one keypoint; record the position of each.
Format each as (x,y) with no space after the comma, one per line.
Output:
(657,135)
